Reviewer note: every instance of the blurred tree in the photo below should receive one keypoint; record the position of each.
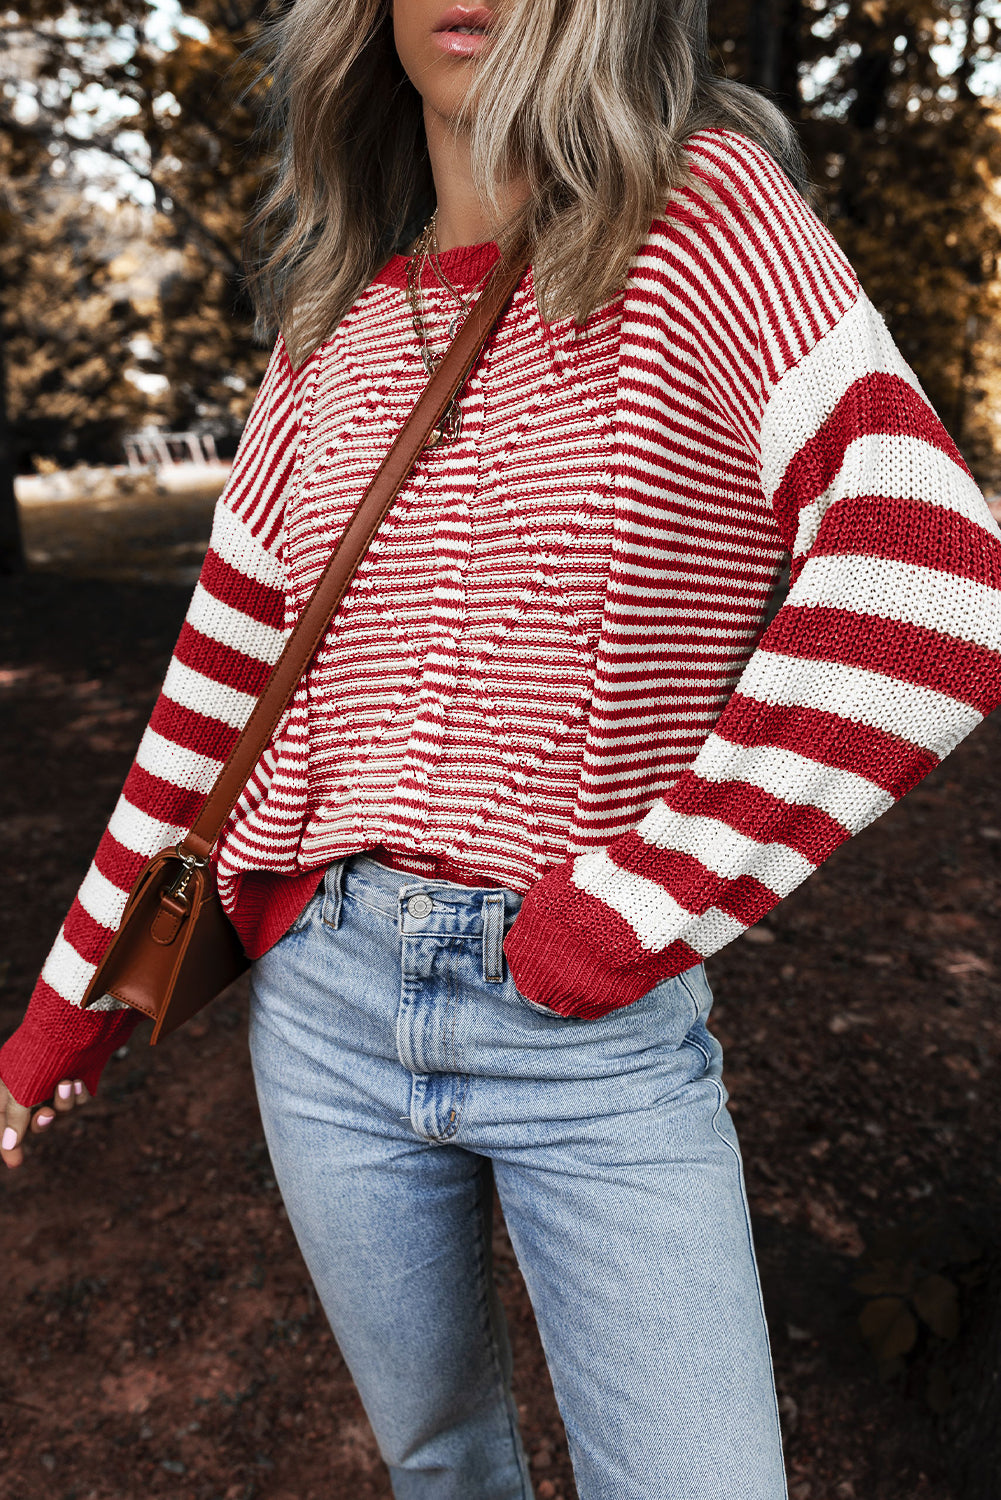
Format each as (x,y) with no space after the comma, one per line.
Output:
(11,545)
(908,157)
(87,85)
(198,116)
(68,345)
(884,93)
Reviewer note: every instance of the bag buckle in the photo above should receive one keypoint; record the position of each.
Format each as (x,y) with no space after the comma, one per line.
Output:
(178,890)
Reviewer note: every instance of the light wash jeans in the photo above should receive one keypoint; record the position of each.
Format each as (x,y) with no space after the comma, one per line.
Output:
(396,1063)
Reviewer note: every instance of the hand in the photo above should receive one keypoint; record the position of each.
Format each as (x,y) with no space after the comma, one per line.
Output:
(17,1119)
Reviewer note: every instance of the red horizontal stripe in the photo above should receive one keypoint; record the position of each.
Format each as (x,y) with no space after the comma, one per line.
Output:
(759,814)
(161,799)
(692,884)
(223,581)
(875,403)
(910,653)
(89,938)
(911,531)
(233,669)
(893,763)
(120,865)
(193,731)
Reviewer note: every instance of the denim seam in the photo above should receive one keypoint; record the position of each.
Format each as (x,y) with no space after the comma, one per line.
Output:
(750,1241)
(452,1055)
(380,911)
(332,888)
(491,1335)
(691,995)
(703,1052)
(457,1107)
(493,938)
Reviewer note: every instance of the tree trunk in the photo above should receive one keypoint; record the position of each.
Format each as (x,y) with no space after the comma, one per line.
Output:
(12,558)
(871,76)
(774,51)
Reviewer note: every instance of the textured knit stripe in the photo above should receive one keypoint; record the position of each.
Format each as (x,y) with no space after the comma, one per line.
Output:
(232,635)
(670,767)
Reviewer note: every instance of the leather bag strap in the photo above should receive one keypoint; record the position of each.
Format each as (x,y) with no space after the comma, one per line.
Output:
(313,623)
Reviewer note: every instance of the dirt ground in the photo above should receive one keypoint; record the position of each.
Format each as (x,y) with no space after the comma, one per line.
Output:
(159,1335)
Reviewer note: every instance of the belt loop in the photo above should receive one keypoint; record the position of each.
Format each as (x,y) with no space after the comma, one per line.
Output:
(493,936)
(333,883)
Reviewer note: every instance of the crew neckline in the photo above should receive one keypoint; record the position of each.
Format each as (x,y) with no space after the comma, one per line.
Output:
(464,265)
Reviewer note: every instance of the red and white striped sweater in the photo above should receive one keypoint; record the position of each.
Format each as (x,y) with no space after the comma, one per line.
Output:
(761,410)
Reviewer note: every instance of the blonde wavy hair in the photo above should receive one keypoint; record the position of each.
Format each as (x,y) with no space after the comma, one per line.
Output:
(590,100)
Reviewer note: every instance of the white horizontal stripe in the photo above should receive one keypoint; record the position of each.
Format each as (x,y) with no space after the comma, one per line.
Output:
(706,713)
(623,744)
(231,627)
(236,544)
(193,690)
(849,799)
(714,529)
(897,466)
(654,916)
(859,344)
(101,899)
(68,973)
(723,850)
(677,559)
(919,714)
(136,830)
(174,763)
(696,634)
(907,592)
(708,688)
(646,762)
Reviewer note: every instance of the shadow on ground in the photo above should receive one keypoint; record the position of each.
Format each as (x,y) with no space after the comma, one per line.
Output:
(160,1333)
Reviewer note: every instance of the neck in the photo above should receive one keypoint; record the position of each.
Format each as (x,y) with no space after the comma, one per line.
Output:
(462,217)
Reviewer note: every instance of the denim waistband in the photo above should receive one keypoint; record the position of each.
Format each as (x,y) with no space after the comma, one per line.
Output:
(415,904)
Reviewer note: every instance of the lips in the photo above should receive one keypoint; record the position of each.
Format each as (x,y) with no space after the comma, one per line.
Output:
(466,20)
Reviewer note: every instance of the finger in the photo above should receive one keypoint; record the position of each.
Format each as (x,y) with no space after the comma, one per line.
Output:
(63,1096)
(14,1123)
(70,1094)
(42,1119)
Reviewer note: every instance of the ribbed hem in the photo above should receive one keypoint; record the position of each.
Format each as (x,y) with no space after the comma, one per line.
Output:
(267,904)
(430,867)
(36,1057)
(551,965)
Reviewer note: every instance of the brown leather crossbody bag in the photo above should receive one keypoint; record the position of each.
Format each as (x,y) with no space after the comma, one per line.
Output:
(176,949)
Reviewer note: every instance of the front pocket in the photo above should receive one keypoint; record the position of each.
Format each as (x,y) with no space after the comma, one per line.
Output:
(542,1010)
(304,918)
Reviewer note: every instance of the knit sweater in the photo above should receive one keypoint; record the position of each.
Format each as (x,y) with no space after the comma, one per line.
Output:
(761,412)
(444,719)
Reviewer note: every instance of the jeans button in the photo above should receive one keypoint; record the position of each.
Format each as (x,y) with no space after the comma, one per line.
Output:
(420,906)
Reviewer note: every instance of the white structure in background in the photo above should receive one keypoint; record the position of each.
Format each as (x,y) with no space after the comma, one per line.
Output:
(153,449)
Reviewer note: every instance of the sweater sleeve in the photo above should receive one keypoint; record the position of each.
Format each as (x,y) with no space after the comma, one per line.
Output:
(232,635)
(885,653)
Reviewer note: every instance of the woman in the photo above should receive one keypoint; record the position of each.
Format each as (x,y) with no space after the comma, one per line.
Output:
(548,758)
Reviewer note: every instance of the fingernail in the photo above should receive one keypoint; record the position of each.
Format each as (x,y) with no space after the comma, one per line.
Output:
(64,1090)
(9,1138)
(44,1120)
(77,1086)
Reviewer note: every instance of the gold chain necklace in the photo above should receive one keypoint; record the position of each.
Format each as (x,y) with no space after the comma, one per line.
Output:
(426,253)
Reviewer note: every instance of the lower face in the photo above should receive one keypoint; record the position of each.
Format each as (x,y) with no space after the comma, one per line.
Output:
(437,43)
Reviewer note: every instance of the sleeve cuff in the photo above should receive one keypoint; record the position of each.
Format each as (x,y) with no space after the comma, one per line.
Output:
(553,966)
(35,1058)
